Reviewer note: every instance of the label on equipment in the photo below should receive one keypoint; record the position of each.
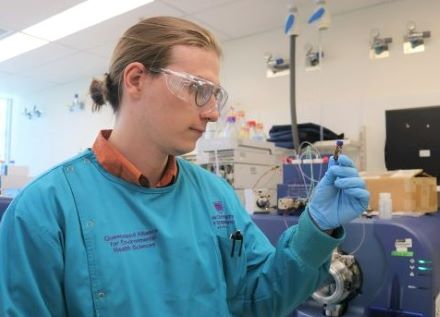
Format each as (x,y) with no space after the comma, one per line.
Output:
(424,153)
(402,246)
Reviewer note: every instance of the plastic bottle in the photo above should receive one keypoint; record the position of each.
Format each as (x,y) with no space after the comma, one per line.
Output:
(251,125)
(259,132)
(243,130)
(222,122)
(230,130)
(240,118)
(211,130)
(243,134)
(385,206)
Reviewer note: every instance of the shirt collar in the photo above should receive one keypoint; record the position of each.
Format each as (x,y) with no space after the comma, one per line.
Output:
(117,164)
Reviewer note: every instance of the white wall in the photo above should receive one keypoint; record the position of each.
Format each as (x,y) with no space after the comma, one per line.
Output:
(58,134)
(350,90)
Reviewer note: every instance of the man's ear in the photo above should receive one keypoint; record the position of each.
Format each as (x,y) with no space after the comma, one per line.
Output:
(133,79)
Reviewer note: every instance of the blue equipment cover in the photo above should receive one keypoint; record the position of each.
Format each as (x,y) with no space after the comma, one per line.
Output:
(399,261)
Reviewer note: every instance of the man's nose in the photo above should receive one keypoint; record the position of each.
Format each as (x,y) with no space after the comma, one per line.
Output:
(211,113)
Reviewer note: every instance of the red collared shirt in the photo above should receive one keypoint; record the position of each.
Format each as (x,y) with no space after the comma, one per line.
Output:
(115,163)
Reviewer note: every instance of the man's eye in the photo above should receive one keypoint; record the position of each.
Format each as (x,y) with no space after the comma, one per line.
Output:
(194,86)
(207,88)
(216,92)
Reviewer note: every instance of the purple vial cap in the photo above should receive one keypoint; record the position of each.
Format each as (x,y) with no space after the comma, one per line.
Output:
(339,143)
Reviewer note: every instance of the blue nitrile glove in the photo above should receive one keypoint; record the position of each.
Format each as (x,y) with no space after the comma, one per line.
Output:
(340,195)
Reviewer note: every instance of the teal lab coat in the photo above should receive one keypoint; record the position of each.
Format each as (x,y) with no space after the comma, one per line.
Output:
(79,241)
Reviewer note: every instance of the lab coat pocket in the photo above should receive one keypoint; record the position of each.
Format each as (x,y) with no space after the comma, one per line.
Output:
(233,258)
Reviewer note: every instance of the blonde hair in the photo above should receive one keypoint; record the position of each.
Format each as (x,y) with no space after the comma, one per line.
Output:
(148,42)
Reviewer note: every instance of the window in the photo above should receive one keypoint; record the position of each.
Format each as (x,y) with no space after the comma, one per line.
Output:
(5,129)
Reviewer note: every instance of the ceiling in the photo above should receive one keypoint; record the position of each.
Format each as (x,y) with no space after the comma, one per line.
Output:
(86,54)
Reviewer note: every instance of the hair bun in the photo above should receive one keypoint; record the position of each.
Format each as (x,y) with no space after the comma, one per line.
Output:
(98,91)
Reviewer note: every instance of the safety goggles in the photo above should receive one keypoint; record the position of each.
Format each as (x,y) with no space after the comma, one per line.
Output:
(186,87)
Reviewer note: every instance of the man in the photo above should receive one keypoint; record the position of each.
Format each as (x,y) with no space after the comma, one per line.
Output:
(126,229)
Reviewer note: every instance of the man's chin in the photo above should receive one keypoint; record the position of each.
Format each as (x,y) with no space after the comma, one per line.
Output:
(183,150)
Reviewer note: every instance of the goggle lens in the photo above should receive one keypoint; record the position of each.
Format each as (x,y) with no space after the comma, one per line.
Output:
(183,85)
(203,93)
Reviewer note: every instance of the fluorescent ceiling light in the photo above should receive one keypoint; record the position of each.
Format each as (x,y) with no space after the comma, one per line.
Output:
(18,43)
(74,19)
(81,16)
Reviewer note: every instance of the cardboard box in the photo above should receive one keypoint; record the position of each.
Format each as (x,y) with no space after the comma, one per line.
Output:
(14,181)
(411,190)
(438,196)
(21,170)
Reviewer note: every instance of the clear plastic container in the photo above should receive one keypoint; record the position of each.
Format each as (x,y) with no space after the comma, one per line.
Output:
(230,130)
(259,132)
(243,134)
(385,206)
(243,131)
(240,118)
(251,124)
(211,130)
